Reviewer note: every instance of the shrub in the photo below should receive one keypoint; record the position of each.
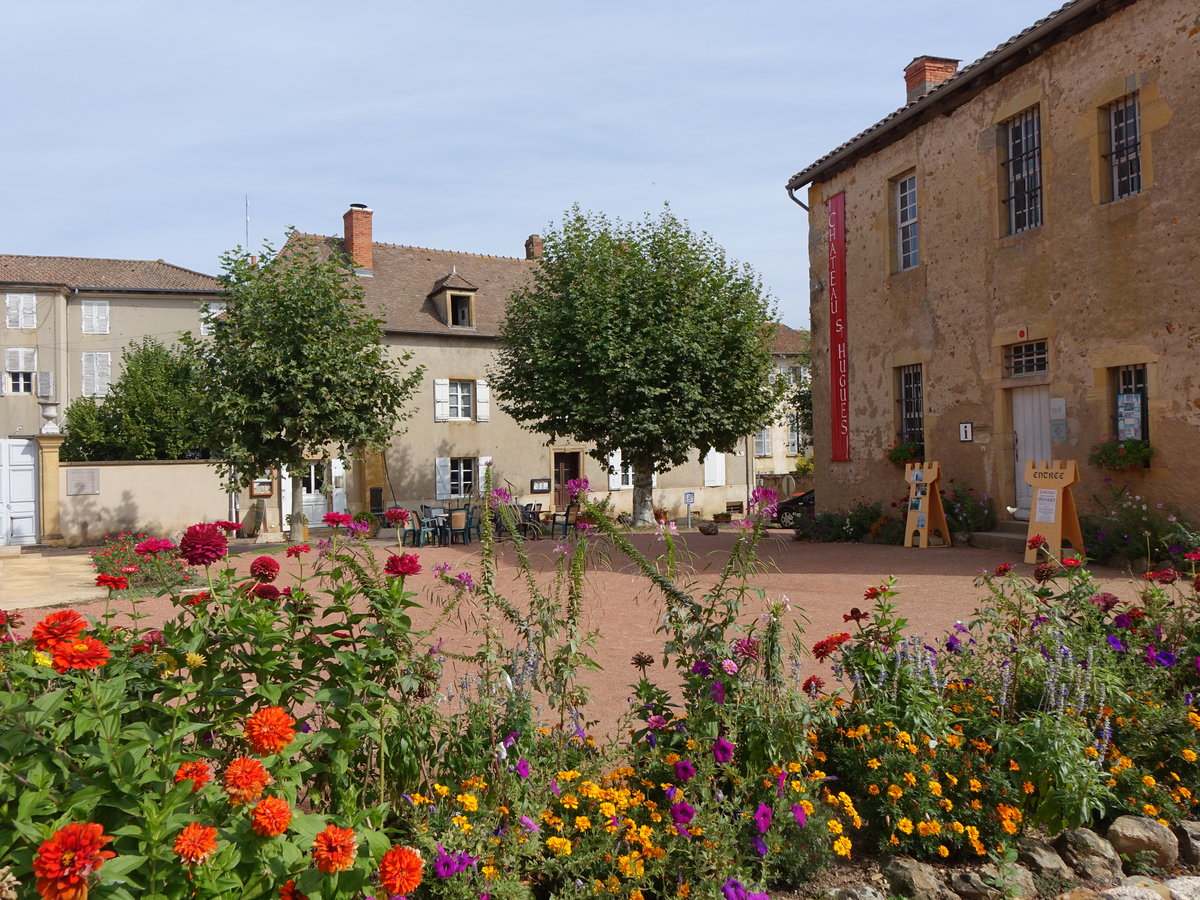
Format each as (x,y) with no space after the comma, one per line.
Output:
(1120,454)
(1130,527)
(903,452)
(118,556)
(967,510)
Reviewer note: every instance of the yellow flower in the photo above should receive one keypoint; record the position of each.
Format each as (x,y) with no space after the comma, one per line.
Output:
(41,658)
(559,845)
(910,779)
(793,767)
(608,810)
(905,825)
(946,803)
(194,660)
(1148,781)
(975,785)
(469,802)
(894,792)
(873,764)
(943,851)
(569,801)
(842,846)
(834,826)
(489,872)
(463,825)
(1013,766)
(1150,809)
(671,758)
(935,788)
(583,823)
(1027,787)
(873,790)
(441,790)
(635,894)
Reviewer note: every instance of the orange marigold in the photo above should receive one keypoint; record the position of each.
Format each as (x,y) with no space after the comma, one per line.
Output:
(245,779)
(198,771)
(270,730)
(334,849)
(400,870)
(196,843)
(271,816)
(57,627)
(289,892)
(81,652)
(64,862)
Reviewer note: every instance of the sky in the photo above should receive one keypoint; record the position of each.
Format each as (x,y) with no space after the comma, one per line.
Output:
(137,130)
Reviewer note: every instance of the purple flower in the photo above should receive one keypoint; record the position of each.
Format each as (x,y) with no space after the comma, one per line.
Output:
(729,667)
(722,750)
(734,890)
(529,823)
(1151,655)
(510,739)
(501,495)
(577,486)
(717,690)
(554,788)
(1116,643)
(465,581)
(522,768)
(954,643)
(1123,621)
(799,815)
(762,818)
(746,648)
(441,568)
(760,845)
(447,865)
(702,668)
(682,813)
(684,771)
(1166,658)
(764,501)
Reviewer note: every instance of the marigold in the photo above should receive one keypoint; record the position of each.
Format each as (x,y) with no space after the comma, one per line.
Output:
(271,816)
(245,779)
(270,730)
(560,846)
(289,892)
(400,870)
(199,772)
(64,862)
(842,846)
(196,843)
(334,849)
(65,625)
(84,652)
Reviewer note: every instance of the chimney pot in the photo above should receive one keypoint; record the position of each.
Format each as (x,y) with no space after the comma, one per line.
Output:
(534,247)
(925,73)
(358,239)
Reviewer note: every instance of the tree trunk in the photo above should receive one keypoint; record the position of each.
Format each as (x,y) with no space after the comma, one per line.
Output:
(643,490)
(296,517)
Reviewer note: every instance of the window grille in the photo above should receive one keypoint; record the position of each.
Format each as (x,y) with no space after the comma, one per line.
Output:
(1023,171)
(1125,147)
(912,405)
(1031,358)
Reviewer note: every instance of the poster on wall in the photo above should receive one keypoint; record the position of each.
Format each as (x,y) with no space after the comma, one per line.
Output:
(1129,416)
(1046,505)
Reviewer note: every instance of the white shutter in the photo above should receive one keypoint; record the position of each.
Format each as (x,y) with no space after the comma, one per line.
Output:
(614,470)
(483,401)
(95,316)
(45,384)
(12,360)
(21,310)
(21,359)
(12,310)
(714,469)
(481,465)
(441,413)
(87,370)
(441,477)
(103,373)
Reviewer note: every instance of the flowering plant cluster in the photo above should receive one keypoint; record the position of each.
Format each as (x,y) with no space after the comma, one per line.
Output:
(903,452)
(125,555)
(1120,454)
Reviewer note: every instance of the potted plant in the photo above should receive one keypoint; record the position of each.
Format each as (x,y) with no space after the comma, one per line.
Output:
(903,452)
(1120,455)
(301,520)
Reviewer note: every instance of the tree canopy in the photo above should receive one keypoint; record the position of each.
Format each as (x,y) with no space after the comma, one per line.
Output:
(146,415)
(295,369)
(639,337)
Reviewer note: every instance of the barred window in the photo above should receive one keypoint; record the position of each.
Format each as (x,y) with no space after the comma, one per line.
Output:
(907,247)
(1031,358)
(1132,415)
(1125,147)
(1023,171)
(912,405)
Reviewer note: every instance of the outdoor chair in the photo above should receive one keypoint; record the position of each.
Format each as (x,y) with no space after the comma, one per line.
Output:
(474,524)
(418,531)
(563,522)
(458,527)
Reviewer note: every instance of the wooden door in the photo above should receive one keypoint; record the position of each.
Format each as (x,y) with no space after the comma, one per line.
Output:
(567,467)
(1031,438)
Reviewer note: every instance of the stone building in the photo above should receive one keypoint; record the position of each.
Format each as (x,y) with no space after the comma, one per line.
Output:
(1006,268)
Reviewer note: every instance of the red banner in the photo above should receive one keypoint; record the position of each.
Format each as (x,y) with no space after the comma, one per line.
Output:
(839,362)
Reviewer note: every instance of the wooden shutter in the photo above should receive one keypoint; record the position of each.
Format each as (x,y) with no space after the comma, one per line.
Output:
(441,475)
(441,410)
(45,384)
(614,470)
(103,373)
(87,372)
(483,401)
(20,359)
(714,469)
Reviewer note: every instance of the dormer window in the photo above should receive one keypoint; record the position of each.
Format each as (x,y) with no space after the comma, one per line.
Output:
(454,299)
(462,311)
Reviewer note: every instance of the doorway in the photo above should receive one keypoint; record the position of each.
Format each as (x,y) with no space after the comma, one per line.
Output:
(18,491)
(1031,439)
(568,465)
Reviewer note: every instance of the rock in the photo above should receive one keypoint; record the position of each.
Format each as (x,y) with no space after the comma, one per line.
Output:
(709,528)
(1090,855)
(1150,884)
(1186,888)
(1040,857)
(861,892)
(961,538)
(972,886)
(1132,892)
(1188,834)
(916,880)
(1079,893)
(1131,835)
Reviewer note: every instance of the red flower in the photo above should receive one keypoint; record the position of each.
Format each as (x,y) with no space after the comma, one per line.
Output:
(397,516)
(855,615)
(64,862)
(1071,562)
(245,779)
(270,730)
(196,843)
(130,570)
(289,892)
(334,519)
(334,849)
(1166,576)
(271,816)
(153,545)
(873,593)
(57,627)
(1037,542)
(1043,572)
(227,526)
(198,598)
(264,568)
(1002,570)
(400,870)
(154,637)
(812,685)
(138,649)
(404,564)
(823,649)
(84,652)
(265,592)
(199,772)
(112,582)
(296,549)
(203,544)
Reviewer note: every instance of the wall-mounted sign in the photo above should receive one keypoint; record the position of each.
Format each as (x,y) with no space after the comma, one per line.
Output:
(966,431)
(839,359)
(539,485)
(689,497)
(83,481)
(1129,416)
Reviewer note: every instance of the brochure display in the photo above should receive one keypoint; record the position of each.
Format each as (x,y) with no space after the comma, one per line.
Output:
(1053,513)
(925,513)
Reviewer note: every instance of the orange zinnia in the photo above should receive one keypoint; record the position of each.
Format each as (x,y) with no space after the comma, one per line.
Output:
(334,849)
(271,816)
(289,892)
(270,730)
(196,843)
(199,771)
(65,861)
(57,627)
(245,779)
(400,870)
(81,652)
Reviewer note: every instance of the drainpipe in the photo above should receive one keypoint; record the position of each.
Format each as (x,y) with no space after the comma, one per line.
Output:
(796,200)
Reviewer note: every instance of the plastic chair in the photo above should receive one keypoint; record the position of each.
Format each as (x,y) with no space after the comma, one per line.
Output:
(563,522)
(418,531)
(474,523)
(458,527)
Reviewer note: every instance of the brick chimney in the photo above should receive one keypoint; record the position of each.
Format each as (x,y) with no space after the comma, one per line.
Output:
(534,247)
(357,222)
(925,73)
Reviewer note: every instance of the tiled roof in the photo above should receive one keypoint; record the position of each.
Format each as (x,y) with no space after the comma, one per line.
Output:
(114,274)
(403,278)
(943,97)
(789,341)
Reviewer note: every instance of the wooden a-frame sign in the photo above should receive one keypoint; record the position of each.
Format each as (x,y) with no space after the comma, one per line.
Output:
(925,513)
(1052,512)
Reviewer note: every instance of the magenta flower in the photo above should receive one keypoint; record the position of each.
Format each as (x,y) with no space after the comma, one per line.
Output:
(203,544)
(799,815)
(684,771)
(717,690)
(729,667)
(722,750)
(522,768)
(682,813)
(404,564)
(762,818)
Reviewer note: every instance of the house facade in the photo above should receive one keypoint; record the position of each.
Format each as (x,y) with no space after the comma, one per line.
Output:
(1005,268)
(781,445)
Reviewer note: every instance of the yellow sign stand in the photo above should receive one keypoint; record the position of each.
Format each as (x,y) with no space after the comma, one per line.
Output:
(1052,513)
(925,513)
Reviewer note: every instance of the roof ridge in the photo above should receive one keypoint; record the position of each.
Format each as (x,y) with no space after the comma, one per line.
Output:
(334,237)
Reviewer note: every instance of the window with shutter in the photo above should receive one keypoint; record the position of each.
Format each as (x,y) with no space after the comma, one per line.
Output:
(209,313)
(714,469)
(95,316)
(21,310)
(96,371)
(20,363)
(483,402)
(45,384)
(441,400)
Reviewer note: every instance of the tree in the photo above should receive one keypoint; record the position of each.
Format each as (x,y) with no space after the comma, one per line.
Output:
(639,337)
(295,370)
(146,414)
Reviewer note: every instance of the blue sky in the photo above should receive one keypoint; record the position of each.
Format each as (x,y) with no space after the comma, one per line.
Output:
(137,129)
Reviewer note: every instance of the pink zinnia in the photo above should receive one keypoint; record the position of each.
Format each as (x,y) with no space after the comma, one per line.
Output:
(404,564)
(264,568)
(334,519)
(150,546)
(203,544)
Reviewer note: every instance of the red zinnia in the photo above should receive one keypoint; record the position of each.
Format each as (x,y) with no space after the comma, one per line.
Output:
(271,816)
(64,862)
(265,592)
(84,652)
(397,516)
(1037,542)
(196,843)
(296,549)
(203,544)
(334,849)
(289,892)
(270,730)
(404,564)
(334,519)
(150,546)
(227,526)
(245,779)
(56,628)
(1002,570)
(112,582)
(1071,562)
(400,870)
(855,615)
(823,649)
(199,772)
(812,685)
(264,568)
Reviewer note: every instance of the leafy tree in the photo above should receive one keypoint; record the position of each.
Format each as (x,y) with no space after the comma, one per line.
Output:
(801,399)
(295,369)
(640,337)
(146,414)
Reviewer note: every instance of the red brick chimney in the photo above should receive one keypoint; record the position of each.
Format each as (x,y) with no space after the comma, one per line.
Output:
(925,73)
(357,222)
(534,247)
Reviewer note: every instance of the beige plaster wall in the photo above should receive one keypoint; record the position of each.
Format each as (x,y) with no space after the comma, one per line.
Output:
(1105,284)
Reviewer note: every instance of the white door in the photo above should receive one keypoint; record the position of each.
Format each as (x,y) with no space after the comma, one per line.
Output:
(1031,438)
(18,491)
(315,501)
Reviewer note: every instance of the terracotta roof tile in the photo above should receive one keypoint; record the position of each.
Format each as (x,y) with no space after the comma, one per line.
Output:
(114,274)
(789,341)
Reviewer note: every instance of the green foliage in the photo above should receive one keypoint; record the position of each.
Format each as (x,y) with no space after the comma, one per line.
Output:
(148,413)
(1128,526)
(967,510)
(638,337)
(118,556)
(903,452)
(804,464)
(295,369)
(1120,454)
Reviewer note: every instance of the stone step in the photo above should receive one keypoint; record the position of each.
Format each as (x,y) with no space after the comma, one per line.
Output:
(1007,539)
